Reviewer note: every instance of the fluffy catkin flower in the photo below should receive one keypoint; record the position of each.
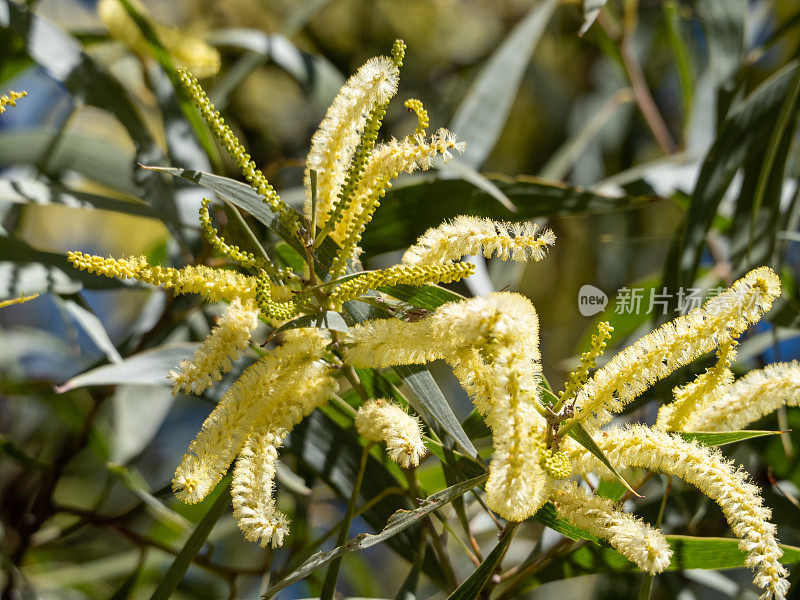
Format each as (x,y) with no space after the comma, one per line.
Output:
(706,469)
(383,421)
(339,133)
(385,163)
(214,356)
(466,235)
(753,396)
(706,389)
(643,545)
(676,344)
(216,284)
(517,485)
(252,489)
(10,99)
(188,50)
(453,327)
(276,379)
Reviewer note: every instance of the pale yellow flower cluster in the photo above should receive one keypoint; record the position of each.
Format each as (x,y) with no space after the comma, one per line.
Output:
(466,236)
(497,337)
(188,50)
(753,396)
(381,420)
(213,358)
(675,344)
(706,469)
(637,541)
(339,133)
(10,99)
(216,284)
(271,396)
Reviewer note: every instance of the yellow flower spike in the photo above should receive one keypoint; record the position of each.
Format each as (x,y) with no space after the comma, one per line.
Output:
(252,489)
(339,133)
(235,149)
(358,286)
(751,397)
(706,389)
(383,421)
(720,480)
(676,344)
(215,355)
(503,330)
(465,236)
(385,163)
(291,374)
(216,284)
(10,99)
(189,51)
(555,463)
(588,362)
(423,121)
(637,541)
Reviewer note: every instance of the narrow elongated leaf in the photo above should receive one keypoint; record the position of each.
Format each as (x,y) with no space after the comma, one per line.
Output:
(433,405)
(94,328)
(580,435)
(474,584)
(24,269)
(334,455)
(428,297)
(195,542)
(408,211)
(245,197)
(591,8)
(31,191)
(146,368)
(61,56)
(139,411)
(482,113)
(688,553)
(327,320)
(399,521)
(741,137)
(719,438)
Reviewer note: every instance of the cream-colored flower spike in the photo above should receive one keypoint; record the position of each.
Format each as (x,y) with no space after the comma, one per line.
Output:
(383,421)
(270,380)
(339,133)
(465,236)
(634,539)
(498,337)
(753,396)
(385,163)
(706,469)
(675,344)
(215,356)
(252,489)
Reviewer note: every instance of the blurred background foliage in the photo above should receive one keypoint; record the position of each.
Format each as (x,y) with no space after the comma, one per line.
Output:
(661,146)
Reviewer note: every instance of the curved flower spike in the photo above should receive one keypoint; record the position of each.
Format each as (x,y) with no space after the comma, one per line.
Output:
(214,356)
(643,545)
(494,344)
(339,133)
(465,236)
(753,396)
(269,383)
(706,469)
(253,486)
(675,344)
(10,99)
(383,421)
